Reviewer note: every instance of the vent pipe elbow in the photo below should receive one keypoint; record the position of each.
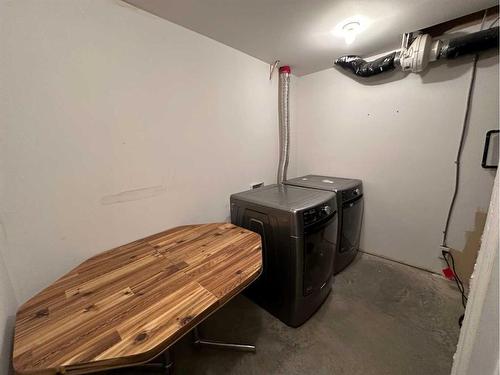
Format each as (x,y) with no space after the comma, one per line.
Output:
(363,68)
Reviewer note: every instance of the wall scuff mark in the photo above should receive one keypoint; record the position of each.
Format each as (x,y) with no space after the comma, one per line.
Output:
(133,195)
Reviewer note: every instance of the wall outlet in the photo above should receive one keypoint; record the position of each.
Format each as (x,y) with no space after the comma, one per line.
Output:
(256,185)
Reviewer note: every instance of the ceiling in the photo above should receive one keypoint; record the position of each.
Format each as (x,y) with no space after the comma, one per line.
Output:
(300,33)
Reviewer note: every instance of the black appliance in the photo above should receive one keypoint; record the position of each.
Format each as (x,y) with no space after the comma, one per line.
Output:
(350,206)
(299,233)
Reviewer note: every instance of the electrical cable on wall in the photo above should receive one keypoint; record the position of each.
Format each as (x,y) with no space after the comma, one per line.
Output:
(461,144)
(458,281)
(446,250)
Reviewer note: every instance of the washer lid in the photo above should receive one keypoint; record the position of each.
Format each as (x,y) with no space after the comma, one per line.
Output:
(325,182)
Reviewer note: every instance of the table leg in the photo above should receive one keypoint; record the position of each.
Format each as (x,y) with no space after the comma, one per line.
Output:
(168,362)
(165,363)
(221,345)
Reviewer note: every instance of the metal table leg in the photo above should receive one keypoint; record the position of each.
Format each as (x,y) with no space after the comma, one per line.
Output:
(221,345)
(165,362)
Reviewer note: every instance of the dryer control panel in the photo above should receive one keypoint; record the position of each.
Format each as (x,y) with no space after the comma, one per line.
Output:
(318,213)
(352,194)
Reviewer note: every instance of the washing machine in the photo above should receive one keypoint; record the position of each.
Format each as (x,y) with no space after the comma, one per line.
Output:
(298,227)
(350,207)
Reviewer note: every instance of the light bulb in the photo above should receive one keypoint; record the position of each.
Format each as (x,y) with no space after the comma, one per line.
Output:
(349,38)
(349,28)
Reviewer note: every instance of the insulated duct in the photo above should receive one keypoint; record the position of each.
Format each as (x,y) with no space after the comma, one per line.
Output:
(363,68)
(415,57)
(284,122)
(469,44)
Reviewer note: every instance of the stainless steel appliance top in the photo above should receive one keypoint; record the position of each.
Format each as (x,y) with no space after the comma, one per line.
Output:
(334,184)
(285,197)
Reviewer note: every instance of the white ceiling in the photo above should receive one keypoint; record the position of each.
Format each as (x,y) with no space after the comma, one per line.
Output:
(298,32)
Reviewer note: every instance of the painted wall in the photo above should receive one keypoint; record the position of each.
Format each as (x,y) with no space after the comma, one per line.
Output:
(8,306)
(118,124)
(399,134)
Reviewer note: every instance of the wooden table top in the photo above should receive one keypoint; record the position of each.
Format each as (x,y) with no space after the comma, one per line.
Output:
(127,305)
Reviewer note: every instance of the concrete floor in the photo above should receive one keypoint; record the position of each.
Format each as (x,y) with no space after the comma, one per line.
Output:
(381,318)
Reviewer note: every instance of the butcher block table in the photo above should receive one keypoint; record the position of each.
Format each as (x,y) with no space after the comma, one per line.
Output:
(129,304)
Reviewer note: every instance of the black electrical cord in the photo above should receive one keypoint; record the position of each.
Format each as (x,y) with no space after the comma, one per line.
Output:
(459,283)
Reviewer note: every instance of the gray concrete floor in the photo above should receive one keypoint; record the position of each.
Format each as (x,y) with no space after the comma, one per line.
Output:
(381,318)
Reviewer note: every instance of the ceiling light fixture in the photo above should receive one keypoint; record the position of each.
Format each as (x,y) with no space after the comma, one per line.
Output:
(349,28)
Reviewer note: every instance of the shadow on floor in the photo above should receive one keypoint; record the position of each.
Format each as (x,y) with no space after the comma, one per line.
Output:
(381,318)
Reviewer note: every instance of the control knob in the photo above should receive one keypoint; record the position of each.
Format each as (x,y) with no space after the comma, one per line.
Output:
(326,210)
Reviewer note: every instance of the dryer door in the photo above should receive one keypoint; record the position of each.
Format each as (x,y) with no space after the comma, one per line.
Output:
(352,214)
(319,252)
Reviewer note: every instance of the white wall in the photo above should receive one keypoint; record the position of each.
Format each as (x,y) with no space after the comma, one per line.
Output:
(99,99)
(8,305)
(399,135)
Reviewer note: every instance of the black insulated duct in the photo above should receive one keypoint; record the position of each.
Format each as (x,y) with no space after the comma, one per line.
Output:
(469,44)
(364,68)
(422,50)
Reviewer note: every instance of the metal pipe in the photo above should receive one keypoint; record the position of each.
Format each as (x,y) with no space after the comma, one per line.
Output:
(284,122)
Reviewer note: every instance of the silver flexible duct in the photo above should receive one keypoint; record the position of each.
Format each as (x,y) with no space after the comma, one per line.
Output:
(284,122)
